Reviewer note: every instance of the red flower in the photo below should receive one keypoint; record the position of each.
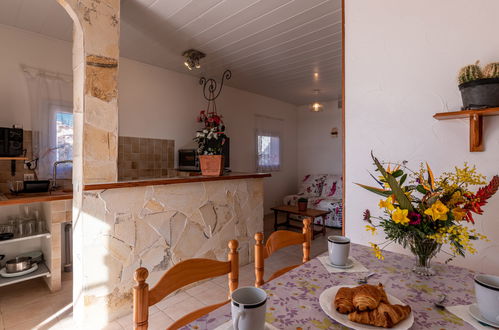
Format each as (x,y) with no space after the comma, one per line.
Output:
(476,201)
(415,218)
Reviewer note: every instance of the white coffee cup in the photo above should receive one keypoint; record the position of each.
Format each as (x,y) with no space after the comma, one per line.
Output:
(248,307)
(487,296)
(338,248)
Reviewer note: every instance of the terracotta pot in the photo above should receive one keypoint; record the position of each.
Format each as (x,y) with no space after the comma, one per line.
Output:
(302,206)
(211,165)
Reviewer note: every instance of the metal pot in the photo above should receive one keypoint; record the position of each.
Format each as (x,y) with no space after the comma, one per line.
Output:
(18,264)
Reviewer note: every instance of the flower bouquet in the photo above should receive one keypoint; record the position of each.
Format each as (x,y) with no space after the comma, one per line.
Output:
(423,212)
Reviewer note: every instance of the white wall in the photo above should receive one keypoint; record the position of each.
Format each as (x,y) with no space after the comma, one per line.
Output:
(153,102)
(319,151)
(402,58)
(20,47)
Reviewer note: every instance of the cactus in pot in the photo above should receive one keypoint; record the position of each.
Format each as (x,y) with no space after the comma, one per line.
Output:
(470,73)
(491,70)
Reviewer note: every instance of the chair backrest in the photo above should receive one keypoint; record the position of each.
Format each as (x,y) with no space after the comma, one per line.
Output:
(180,275)
(278,240)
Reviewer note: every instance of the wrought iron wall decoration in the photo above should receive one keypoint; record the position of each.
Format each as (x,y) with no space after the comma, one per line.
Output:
(210,86)
(211,90)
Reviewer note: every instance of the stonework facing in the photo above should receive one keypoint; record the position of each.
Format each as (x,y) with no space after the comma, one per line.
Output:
(158,226)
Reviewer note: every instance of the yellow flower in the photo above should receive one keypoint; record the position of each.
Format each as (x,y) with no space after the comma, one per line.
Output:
(438,211)
(456,197)
(372,229)
(458,213)
(387,204)
(400,216)
(377,251)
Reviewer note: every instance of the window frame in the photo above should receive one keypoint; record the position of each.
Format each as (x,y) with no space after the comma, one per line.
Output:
(268,168)
(54,109)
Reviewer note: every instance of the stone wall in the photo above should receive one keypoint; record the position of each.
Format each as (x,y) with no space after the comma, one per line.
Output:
(158,226)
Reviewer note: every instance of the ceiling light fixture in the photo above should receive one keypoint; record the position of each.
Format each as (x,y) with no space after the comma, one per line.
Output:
(192,58)
(316,106)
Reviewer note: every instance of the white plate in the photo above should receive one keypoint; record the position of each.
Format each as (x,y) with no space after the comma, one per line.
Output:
(475,313)
(326,300)
(4,273)
(348,265)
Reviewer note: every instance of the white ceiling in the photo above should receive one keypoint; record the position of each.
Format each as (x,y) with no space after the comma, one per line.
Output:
(273,47)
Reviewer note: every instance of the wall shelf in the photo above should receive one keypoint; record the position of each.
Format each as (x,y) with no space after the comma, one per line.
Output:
(13,158)
(476,123)
(40,272)
(24,238)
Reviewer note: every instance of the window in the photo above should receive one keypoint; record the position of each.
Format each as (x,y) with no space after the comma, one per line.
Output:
(268,152)
(64,135)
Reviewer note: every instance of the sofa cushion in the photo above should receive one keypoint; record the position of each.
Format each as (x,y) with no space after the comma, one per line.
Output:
(332,187)
(311,185)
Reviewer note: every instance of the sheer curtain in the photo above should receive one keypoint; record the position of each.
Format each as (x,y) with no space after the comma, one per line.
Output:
(268,143)
(48,92)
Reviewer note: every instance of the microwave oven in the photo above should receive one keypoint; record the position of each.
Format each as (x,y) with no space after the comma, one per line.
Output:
(188,160)
(11,142)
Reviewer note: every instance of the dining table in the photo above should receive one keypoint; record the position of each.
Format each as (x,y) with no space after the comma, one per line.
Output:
(293,298)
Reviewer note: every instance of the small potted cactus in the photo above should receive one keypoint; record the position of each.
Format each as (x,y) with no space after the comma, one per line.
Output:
(302,204)
(479,88)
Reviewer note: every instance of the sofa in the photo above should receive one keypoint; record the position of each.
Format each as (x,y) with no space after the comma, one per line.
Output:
(324,192)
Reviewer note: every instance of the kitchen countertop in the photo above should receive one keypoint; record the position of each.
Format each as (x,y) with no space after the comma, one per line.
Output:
(175,180)
(10,199)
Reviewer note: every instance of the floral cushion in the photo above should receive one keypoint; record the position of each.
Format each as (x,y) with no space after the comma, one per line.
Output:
(311,185)
(333,219)
(332,187)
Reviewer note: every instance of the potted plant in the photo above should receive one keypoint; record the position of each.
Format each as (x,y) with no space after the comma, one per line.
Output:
(210,141)
(479,89)
(302,204)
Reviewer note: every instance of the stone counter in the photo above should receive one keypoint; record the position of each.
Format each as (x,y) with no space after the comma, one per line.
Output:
(156,226)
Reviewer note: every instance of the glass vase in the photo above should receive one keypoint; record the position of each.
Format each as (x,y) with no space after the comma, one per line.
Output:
(424,249)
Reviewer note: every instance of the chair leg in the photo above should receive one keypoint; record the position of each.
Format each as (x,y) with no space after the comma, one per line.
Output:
(141,300)
(259,260)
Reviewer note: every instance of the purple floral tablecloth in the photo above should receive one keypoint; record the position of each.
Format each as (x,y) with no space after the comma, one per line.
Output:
(294,297)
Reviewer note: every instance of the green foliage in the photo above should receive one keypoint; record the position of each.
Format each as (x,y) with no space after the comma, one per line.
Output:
(470,73)
(379,191)
(400,196)
(491,70)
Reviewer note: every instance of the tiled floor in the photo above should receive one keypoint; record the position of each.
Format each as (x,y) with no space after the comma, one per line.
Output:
(29,305)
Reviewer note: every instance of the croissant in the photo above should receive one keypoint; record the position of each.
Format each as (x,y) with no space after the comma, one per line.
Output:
(343,300)
(367,297)
(385,315)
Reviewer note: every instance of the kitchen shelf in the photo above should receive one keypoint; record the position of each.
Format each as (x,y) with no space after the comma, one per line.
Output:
(13,158)
(24,238)
(40,272)
(476,123)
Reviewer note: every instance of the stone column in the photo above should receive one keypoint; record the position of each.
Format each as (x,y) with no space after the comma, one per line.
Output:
(95,71)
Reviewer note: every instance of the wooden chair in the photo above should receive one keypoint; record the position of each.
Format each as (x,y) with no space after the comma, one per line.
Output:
(180,275)
(278,240)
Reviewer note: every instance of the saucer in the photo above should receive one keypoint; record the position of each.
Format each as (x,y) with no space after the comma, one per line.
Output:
(348,265)
(475,313)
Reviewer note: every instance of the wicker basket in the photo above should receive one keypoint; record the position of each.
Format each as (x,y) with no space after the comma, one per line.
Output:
(211,165)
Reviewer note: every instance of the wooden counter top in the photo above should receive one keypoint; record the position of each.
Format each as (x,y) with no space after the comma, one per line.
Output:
(10,199)
(176,180)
